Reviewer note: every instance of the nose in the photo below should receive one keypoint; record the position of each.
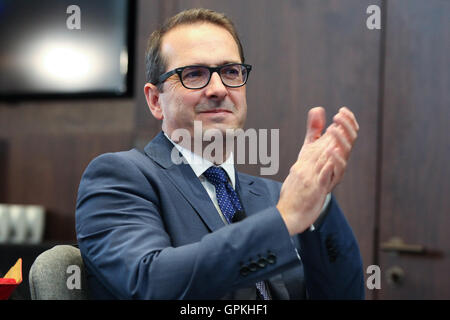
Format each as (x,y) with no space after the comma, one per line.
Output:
(215,88)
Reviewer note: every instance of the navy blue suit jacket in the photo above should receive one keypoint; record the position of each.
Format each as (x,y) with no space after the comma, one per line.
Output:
(147,229)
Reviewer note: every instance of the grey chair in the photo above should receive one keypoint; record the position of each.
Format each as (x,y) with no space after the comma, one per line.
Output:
(58,274)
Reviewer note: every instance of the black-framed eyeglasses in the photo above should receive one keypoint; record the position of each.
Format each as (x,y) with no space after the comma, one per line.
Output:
(197,77)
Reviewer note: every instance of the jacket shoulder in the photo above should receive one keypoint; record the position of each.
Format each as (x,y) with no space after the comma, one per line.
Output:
(120,160)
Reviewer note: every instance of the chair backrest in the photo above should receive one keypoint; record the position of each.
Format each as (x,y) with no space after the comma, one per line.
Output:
(58,274)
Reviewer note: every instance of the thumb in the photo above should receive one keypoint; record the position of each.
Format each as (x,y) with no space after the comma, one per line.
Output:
(315,124)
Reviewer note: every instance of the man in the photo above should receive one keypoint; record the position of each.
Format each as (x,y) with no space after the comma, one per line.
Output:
(152,229)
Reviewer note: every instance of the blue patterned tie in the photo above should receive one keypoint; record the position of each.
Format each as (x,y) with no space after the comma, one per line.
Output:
(229,203)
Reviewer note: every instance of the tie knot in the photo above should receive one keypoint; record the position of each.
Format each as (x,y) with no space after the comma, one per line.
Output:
(216,175)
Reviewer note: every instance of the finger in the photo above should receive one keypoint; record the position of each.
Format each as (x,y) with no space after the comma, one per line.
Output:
(346,124)
(315,124)
(350,115)
(323,158)
(341,141)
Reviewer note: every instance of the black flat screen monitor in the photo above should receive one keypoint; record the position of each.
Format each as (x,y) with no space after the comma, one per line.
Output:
(58,48)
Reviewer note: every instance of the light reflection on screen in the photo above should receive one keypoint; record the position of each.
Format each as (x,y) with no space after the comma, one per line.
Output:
(40,54)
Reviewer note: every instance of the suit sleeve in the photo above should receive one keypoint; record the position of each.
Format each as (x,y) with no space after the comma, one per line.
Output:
(124,243)
(331,258)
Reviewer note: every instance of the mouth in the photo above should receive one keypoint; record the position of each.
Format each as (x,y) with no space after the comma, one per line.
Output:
(212,111)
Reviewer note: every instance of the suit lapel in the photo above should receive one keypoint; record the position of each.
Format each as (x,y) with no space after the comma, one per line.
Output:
(184,179)
(249,192)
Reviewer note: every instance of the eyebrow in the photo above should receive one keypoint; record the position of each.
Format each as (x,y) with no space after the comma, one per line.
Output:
(224,62)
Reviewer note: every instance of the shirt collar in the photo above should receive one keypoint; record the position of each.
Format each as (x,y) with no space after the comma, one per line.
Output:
(199,165)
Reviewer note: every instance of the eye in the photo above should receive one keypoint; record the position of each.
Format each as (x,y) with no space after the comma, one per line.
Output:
(194,73)
(231,71)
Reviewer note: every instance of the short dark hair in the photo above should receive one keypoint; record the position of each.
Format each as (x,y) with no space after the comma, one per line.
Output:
(155,62)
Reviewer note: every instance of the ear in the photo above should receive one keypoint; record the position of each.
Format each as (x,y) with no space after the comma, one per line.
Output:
(152,96)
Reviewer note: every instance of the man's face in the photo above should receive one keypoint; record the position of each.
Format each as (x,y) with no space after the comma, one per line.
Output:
(215,105)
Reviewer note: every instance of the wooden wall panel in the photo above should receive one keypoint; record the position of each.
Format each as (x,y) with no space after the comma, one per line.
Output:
(46,170)
(415,205)
(46,146)
(3,170)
